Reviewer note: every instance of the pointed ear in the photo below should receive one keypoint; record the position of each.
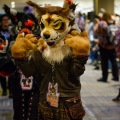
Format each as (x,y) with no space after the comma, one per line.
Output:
(72,7)
(37,8)
(65,11)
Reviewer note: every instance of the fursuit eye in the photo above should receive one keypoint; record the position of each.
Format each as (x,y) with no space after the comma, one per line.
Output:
(57,26)
(42,25)
(60,27)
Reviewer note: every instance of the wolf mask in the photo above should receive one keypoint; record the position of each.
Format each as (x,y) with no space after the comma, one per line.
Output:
(58,40)
(55,22)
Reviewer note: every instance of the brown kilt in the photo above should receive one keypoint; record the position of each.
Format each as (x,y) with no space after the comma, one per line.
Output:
(69,109)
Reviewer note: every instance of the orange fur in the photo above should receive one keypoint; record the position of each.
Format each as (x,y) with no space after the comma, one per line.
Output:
(78,42)
(23,45)
(41,44)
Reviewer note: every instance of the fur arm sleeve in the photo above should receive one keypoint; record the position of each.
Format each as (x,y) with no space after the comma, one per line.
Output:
(23,46)
(79,43)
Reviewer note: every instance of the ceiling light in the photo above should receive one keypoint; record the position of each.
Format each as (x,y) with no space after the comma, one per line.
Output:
(13,4)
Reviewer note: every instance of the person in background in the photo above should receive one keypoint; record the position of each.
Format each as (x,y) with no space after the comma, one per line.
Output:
(107,48)
(117,47)
(93,38)
(5,34)
(80,21)
(116,18)
(25,97)
(96,44)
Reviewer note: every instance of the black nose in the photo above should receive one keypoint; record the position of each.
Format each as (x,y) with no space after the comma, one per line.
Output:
(46,36)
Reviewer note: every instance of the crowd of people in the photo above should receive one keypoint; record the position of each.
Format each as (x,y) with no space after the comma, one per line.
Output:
(103,34)
(103,30)
(105,45)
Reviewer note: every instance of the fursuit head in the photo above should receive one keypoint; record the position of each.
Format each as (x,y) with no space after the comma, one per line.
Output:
(55,23)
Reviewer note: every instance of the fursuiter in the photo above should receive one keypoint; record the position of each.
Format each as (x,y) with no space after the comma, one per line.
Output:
(58,58)
(23,21)
(7,67)
(25,90)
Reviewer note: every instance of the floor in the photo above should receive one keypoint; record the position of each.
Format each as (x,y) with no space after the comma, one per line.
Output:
(96,97)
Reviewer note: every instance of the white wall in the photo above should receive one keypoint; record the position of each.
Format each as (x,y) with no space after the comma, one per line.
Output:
(83,5)
(117,7)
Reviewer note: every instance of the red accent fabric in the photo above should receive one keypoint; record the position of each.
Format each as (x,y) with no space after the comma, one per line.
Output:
(5,43)
(69,1)
(29,23)
(25,31)
(1,48)
(5,74)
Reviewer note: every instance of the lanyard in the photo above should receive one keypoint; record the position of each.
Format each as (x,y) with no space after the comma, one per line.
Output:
(53,95)
(53,73)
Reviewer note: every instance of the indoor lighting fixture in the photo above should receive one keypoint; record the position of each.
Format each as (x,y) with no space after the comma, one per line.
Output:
(13,4)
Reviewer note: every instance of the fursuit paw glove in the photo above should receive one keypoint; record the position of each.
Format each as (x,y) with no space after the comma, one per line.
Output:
(23,46)
(79,43)
(42,45)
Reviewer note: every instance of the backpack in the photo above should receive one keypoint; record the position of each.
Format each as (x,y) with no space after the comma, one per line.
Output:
(112,29)
(117,42)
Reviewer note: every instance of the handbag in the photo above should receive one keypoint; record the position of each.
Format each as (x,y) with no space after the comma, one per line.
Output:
(74,108)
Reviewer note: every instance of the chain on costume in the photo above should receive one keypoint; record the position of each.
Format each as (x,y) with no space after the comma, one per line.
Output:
(53,95)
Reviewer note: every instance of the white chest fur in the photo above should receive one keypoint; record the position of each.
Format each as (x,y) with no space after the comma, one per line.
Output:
(56,54)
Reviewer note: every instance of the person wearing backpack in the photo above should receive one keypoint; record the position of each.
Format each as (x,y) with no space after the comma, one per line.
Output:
(105,30)
(117,47)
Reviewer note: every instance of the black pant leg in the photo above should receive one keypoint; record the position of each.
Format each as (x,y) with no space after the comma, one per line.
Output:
(17,98)
(104,65)
(112,57)
(3,83)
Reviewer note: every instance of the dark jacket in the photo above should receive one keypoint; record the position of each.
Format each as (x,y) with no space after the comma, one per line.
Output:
(25,103)
(66,73)
(7,34)
(6,65)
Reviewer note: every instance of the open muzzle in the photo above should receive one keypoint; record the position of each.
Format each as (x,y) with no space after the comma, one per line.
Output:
(55,22)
